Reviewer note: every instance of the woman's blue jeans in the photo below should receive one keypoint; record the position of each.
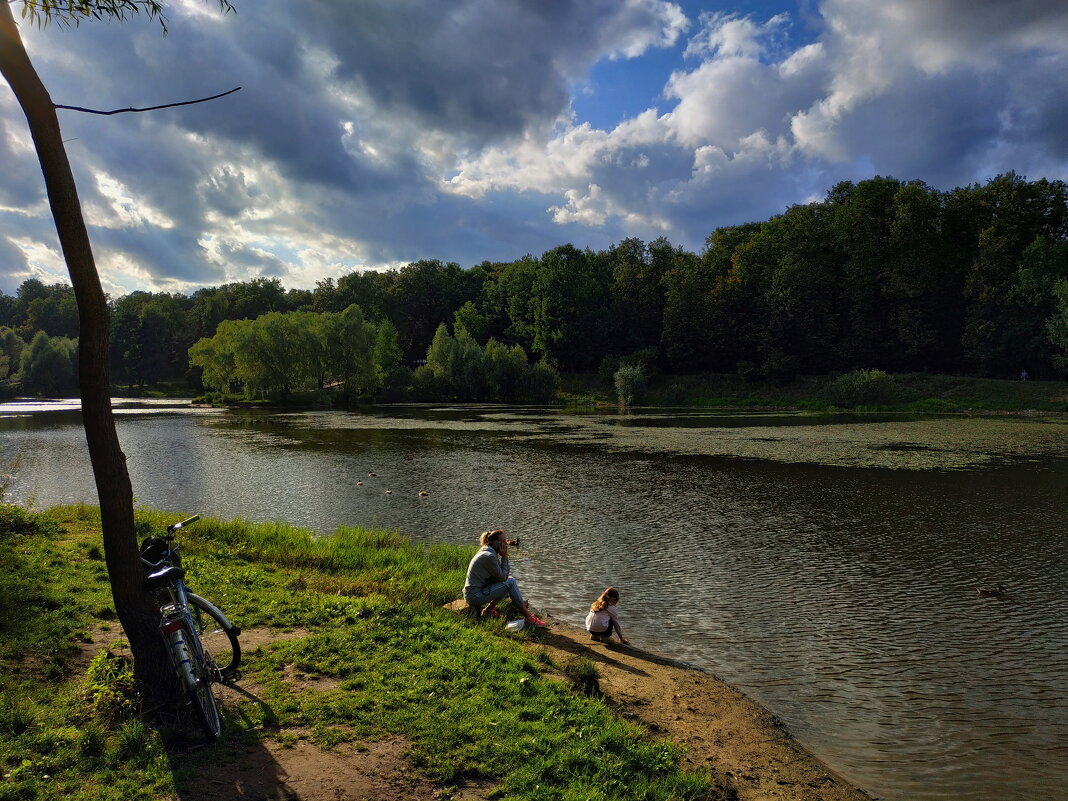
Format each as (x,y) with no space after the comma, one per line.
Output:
(494,592)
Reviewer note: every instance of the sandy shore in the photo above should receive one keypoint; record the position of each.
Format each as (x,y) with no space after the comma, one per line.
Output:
(747,748)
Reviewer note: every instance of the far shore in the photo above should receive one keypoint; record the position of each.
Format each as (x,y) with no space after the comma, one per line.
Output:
(916,393)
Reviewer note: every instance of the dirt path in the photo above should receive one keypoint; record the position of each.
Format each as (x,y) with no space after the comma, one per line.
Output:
(723,729)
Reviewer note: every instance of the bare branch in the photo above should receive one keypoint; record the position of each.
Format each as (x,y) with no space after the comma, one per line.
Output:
(149,108)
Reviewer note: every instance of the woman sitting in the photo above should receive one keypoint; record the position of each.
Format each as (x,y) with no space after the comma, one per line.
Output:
(488,580)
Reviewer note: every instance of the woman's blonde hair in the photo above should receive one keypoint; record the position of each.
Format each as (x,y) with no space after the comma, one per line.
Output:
(490,536)
(610,594)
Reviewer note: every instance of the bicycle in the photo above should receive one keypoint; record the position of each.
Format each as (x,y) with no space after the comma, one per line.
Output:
(202,643)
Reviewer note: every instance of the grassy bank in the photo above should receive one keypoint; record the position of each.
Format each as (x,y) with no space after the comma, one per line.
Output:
(475,703)
(910,392)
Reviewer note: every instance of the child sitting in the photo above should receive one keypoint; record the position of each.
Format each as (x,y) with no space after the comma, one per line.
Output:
(603,618)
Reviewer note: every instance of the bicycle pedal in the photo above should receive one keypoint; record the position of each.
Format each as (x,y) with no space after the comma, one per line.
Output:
(232,677)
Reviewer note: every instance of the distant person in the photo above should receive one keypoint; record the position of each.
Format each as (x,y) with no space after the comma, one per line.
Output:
(603,618)
(488,580)
(1023,375)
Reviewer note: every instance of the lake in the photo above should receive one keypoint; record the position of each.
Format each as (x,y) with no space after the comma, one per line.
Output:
(826,565)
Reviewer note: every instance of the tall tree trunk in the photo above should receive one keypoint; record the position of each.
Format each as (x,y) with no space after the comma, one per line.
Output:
(136,611)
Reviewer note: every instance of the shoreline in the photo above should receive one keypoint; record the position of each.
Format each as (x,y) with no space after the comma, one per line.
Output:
(748,751)
(745,747)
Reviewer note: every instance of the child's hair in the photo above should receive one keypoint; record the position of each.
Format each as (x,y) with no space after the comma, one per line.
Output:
(490,536)
(610,595)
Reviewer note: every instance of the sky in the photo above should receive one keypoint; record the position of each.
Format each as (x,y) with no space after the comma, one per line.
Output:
(368,134)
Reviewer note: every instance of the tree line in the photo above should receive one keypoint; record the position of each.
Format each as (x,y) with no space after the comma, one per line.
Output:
(883,273)
(282,352)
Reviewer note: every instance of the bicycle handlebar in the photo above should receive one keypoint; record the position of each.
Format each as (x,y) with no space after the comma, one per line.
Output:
(173,527)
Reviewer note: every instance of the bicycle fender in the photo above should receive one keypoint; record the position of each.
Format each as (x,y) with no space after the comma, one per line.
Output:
(208,604)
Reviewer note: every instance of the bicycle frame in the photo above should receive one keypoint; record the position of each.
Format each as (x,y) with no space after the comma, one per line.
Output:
(178,630)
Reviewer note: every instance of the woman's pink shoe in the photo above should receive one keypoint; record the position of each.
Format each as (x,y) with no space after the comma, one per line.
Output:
(534,620)
(490,612)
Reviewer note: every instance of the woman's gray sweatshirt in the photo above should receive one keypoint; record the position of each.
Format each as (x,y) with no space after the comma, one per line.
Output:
(485,568)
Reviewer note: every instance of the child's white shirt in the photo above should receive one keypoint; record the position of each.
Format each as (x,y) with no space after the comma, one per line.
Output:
(597,622)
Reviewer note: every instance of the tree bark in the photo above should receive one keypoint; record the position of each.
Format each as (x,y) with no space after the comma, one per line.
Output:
(137,612)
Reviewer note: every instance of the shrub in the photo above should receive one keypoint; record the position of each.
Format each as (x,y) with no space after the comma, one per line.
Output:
(16,521)
(110,691)
(781,368)
(426,385)
(134,742)
(607,369)
(675,393)
(540,383)
(749,372)
(630,383)
(644,359)
(861,388)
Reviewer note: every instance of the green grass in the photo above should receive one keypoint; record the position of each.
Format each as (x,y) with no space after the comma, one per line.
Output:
(64,732)
(473,701)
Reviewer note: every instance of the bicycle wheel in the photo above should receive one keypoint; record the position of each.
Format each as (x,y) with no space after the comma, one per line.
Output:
(203,701)
(222,652)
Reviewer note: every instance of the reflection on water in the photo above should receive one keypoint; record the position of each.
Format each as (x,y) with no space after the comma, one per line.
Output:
(834,582)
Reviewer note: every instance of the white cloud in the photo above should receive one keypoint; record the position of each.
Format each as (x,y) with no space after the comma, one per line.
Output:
(940,36)
(41,260)
(122,208)
(121,273)
(644,24)
(726,35)
(588,208)
(18,139)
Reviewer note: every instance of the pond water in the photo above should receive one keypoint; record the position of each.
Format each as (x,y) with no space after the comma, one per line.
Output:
(826,565)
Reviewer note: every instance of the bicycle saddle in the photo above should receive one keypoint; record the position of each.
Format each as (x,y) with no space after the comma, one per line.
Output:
(163,577)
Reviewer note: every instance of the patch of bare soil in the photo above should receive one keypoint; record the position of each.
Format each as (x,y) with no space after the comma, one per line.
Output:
(112,638)
(301,771)
(747,748)
(288,767)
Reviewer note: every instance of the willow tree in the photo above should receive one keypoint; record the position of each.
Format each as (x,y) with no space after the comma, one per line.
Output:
(136,611)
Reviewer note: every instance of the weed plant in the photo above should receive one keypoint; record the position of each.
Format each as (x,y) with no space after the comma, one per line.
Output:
(584,676)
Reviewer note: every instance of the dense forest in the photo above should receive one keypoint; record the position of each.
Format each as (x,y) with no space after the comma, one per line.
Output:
(881,274)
